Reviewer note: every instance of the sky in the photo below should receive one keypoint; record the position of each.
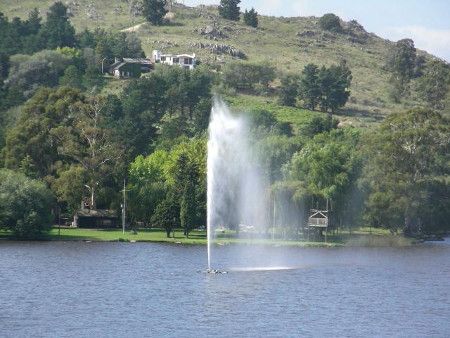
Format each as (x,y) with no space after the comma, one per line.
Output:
(426,22)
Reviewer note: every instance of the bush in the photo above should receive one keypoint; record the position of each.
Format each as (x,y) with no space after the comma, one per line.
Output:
(25,205)
(330,22)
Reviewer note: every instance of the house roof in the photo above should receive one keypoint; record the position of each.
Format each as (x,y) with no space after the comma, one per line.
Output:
(98,213)
(124,61)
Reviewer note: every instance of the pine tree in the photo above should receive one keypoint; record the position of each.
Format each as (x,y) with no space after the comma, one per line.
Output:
(229,9)
(57,30)
(251,18)
(154,11)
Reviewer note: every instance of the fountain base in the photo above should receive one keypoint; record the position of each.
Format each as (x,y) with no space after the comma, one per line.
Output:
(214,271)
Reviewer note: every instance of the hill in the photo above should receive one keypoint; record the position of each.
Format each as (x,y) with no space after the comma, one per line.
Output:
(287,44)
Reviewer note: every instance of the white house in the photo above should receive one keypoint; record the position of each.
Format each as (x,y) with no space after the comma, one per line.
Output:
(183,60)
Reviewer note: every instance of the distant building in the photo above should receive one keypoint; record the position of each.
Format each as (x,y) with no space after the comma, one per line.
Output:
(130,68)
(183,60)
(100,218)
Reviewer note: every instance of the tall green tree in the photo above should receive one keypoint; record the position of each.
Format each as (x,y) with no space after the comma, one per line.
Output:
(435,83)
(229,9)
(32,135)
(147,184)
(402,61)
(334,84)
(409,156)
(251,18)
(309,88)
(57,31)
(85,142)
(154,11)
(288,90)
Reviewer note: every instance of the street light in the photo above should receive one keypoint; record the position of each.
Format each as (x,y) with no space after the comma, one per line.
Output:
(102,65)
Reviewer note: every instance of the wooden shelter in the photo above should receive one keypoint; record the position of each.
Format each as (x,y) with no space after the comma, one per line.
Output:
(319,220)
(100,218)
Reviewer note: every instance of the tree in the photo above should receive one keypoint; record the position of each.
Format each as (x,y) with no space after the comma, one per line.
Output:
(329,165)
(86,143)
(309,88)
(402,61)
(166,215)
(242,76)
(334,84)
(154,11)
(330,22)
(251,18)
(288,90)
(25,205)
(229,9)
(57,30)
(187,180)
(32,135)
(72,78)
(29,72)
(434,83)
(93,78)
(408,157)
(147,183)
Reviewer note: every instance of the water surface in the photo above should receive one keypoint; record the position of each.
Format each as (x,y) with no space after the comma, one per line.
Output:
(77,289)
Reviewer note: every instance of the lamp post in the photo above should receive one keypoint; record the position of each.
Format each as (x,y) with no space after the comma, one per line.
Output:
(102,65)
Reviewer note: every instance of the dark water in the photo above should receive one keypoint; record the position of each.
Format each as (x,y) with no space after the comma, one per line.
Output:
(154,290)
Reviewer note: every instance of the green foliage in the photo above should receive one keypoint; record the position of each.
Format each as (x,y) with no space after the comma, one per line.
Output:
(334,83)
(32,135)
(401,62)
(329,165)
(251,18)
(434,84)
(409,154)
(43,69)
(319,125)
(57,30)
(246,76)
(93,79)
(328,87)
(167,215)
(330,22)
(288,90)
(229,9)
(25,205)
(85,142)
(72,78)
(154,11)
(309,86)
(69,185)
(147,184)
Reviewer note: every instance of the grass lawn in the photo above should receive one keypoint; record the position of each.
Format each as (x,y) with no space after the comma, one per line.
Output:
(359,237)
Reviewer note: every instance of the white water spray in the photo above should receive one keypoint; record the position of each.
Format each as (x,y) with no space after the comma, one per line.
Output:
(236,194)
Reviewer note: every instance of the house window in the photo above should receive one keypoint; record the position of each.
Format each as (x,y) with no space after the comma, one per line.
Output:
(187,61)
(176,60)
(163,58)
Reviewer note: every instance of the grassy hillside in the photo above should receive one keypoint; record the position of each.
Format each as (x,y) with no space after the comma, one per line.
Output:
(285,43)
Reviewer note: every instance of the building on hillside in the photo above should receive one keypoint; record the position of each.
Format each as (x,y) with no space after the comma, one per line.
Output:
(183,60)
(130,68)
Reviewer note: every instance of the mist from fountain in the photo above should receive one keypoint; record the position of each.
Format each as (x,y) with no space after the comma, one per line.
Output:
(236,191)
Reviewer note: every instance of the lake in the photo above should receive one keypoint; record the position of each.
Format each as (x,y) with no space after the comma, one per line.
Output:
(78,289)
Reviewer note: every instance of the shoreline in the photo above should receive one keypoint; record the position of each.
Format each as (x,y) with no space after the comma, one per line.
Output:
(356,239)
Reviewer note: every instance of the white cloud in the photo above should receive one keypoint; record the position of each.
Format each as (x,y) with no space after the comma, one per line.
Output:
(434,41)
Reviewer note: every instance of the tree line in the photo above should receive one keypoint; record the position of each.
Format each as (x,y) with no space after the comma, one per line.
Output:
(64,141)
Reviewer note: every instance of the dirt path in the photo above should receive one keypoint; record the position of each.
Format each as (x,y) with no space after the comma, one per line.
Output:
(132,29)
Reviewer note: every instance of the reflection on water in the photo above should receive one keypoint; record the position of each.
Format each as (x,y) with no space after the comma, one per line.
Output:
(154,290)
